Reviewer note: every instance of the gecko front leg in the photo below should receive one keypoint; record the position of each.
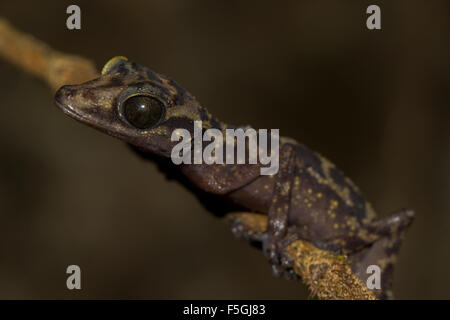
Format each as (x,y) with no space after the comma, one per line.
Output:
(274,243)
(252,228)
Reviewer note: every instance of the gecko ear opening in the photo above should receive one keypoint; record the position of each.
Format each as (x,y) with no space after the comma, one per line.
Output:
(112,63)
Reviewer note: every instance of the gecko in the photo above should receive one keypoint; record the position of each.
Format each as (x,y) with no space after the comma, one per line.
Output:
(308,198)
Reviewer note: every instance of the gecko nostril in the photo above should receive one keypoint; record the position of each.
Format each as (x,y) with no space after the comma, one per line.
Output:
(69,91)
(59,95)
(63,93)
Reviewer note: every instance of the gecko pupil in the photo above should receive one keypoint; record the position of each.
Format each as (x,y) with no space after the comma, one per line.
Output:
(143,112)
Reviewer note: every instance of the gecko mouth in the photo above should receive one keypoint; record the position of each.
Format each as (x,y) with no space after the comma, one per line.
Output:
(66,100)
(66,107)
(70,111)
(61,103)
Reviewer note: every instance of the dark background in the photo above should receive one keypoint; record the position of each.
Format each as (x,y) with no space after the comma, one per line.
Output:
(375,102)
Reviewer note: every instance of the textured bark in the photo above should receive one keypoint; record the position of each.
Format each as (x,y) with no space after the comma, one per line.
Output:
(328,276)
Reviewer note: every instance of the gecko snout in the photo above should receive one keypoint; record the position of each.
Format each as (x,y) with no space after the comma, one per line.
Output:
(62,93)
(71,100)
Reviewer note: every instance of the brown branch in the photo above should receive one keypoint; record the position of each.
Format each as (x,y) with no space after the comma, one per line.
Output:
(37,58)
(328,276)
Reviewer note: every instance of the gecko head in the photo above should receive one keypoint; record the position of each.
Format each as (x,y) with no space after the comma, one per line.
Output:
(132,103)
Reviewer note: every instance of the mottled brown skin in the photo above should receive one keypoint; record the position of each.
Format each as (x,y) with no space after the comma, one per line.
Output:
(308,197)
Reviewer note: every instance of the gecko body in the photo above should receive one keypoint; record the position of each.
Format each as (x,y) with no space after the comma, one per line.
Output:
(309,197)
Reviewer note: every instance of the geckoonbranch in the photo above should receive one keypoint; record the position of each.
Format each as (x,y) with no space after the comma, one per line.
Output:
(328,276)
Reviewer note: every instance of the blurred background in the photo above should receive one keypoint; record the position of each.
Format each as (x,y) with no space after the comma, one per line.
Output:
(376,103)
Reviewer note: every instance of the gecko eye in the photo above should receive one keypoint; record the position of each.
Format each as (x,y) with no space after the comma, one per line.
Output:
(143,112)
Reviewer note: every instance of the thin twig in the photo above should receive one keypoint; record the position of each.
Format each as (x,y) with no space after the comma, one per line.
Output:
(37,58)
(328,276)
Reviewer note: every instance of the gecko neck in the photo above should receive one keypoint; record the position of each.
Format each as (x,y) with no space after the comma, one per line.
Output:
(209,121)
